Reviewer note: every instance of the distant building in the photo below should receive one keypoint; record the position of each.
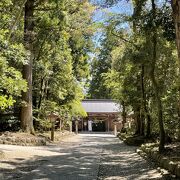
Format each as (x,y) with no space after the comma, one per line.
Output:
(102,113)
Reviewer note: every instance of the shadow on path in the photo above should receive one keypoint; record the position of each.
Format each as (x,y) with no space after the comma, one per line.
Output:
(93,156)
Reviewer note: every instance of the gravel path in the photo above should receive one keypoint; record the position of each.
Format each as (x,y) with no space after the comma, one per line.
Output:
(121,162)
(82,157)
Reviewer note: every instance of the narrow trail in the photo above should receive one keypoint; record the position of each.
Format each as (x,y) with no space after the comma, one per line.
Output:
(82,157)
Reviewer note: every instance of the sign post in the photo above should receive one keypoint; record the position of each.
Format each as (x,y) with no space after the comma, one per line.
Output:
(115,128)
(52,118)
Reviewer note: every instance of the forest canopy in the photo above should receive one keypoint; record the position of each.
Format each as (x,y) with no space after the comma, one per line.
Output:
(56,53)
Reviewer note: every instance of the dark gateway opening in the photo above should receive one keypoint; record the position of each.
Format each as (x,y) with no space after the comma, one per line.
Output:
(99,126)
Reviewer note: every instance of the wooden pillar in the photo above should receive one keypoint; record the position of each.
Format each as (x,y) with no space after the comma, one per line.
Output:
(121,125)
(52,130)
(115,128)
(60,125)
(108,123)
(70,126)
(76,124)
(85,124)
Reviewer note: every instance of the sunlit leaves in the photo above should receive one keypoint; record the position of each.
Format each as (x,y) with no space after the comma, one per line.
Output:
(63,44)
(6,102)
(11,84)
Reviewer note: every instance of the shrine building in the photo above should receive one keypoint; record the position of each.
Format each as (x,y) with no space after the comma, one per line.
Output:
(101,115)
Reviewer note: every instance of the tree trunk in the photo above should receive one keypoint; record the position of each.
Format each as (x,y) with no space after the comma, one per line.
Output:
(139,113)
(160,112)
(155,84)
(123,113)
(142,118)
(137,119)
(144,104)
(42,90)
(176,16)
(148,132)
(178,136)
(26,110)
(142,101)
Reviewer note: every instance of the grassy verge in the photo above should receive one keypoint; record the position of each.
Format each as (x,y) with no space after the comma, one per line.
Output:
(169,160)
(133,140)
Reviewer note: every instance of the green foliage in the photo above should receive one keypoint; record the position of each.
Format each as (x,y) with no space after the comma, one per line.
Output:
(130,52)
(12,82)
(61,57)
(62,41)
(100,65)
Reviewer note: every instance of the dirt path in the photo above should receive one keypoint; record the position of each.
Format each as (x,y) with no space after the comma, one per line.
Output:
(82,157)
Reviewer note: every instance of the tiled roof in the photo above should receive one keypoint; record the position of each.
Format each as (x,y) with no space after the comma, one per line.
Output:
(100,105)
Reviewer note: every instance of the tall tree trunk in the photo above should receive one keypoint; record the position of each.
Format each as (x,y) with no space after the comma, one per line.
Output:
(160,112)
(176,16)
(26,110)
(139,113)
(123,114)
(137,119)
(144,103)
(41,95)
(148,131)
(154,82)
(142,124)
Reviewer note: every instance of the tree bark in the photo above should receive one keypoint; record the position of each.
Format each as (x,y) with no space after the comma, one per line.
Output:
(123,113)
(176,15)
(26,110)
(160,112)
(144,104)
(139,113)
(142,101)
(138,120)
(139,109)
(154,82)
(148,131)
(142,118)
(41,95)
